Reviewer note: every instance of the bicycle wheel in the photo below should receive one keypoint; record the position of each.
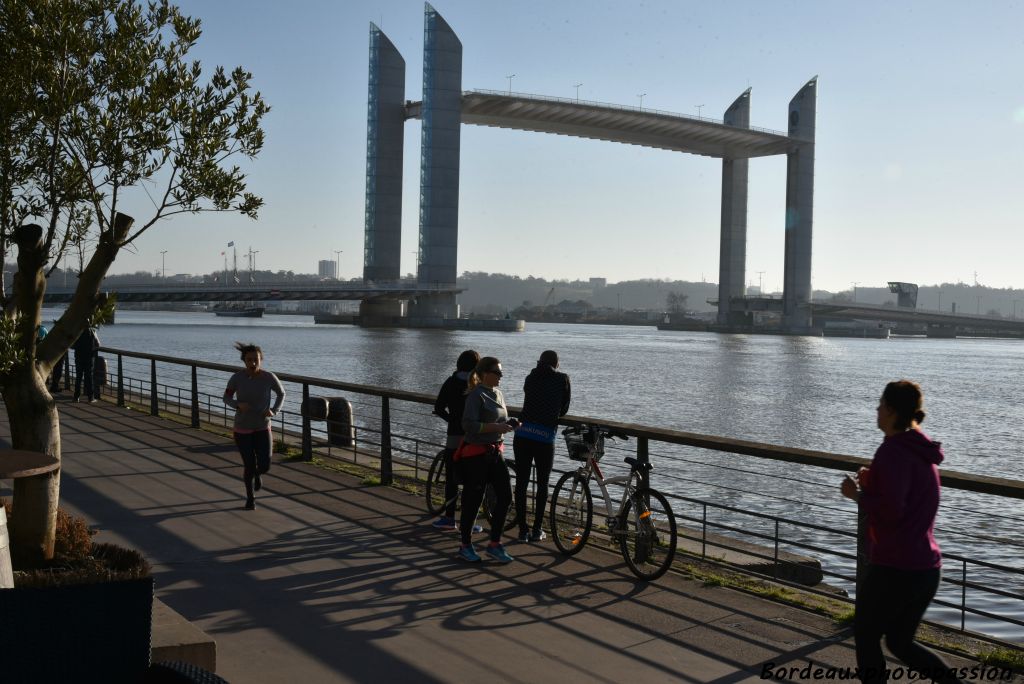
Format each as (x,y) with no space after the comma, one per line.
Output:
(489,502)
(572,513)
(437,476)
(647,534)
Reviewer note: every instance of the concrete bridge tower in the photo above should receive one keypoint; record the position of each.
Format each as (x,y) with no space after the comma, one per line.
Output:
(799,210)
(732,258)
(385,136)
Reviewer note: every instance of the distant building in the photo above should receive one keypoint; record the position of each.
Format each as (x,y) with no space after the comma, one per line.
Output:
(598,283)
(327,268)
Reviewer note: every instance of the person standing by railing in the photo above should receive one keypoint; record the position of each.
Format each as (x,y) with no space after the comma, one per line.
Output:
(899,492)
(86,347)
(248,392)
(547,395)
(485,421)
(450,403)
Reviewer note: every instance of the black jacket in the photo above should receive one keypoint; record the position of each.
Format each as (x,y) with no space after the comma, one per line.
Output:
(87,344)
(451,402)
(547,396)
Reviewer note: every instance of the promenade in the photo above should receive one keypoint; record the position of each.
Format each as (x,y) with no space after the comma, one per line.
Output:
(330,580)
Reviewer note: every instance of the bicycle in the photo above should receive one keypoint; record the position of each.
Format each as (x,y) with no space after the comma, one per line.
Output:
(644,526)
(438,475)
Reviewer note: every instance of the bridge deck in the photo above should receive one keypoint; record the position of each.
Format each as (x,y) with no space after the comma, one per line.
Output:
(333,581)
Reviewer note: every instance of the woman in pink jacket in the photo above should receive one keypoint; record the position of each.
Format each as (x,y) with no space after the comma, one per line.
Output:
(899,493)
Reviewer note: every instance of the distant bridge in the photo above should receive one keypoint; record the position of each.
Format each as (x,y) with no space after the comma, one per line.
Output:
(258,293)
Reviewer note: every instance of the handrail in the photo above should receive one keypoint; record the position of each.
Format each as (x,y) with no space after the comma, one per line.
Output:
(822,459)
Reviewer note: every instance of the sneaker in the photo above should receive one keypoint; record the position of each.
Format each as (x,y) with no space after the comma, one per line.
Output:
(476,528)
(498,553)
(469,554)
(93,401)
(524,536)
(257,482)
(250,505)
(75,398)
(538,535)
(444,523)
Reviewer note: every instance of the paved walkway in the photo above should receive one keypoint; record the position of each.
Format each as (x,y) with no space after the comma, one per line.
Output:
(332,581)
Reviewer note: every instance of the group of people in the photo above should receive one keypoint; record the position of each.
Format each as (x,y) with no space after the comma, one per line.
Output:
(898,491)
(86,347)
(472,404)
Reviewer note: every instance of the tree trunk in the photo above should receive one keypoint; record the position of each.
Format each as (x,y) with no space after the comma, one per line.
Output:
(35,426)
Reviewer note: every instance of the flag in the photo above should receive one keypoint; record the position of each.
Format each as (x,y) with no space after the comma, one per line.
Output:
(231,244)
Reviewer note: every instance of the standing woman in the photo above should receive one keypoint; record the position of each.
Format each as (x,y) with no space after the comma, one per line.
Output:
(485,422)
(547,395)
(899,493)
(450,403)
(248,392)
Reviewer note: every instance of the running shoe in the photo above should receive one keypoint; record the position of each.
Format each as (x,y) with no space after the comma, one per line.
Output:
(469,554)
(538,535)
(498,553)
(250,505)
(444,523)
(524,537)
(476,529)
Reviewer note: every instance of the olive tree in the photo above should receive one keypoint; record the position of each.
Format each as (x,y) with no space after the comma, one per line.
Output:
(98,103)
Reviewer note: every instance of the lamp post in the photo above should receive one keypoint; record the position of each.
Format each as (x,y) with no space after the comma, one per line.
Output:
(510,77)
(337,263)
(577,87)
(699,107)
(641,96)
(163,265)
(760,283)
(855,284)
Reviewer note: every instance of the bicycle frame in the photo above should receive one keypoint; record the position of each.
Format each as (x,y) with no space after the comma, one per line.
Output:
(592,468)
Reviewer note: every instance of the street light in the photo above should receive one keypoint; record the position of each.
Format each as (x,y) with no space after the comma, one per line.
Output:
(163,265)
(760,283)
(510,77)
(699,107)
(641,96)
(855,284)
(337,263)
(577,87)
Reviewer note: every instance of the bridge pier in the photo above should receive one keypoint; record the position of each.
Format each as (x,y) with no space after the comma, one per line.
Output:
(732,257)
(434,306)
(796,292)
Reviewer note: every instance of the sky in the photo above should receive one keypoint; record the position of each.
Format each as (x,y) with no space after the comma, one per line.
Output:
(919,151)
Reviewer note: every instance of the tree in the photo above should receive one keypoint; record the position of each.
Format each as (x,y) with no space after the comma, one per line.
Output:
(97,101)
(676,302)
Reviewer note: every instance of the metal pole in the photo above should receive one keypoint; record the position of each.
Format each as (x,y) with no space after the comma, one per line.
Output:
(120,381)
(307,432)
(195,398)
(154,407)
(642,459)
(386,476)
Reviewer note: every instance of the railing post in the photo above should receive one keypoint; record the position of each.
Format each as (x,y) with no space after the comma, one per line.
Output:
(120,380)
(642,459)
(195,398)
(963,597)
(386,475)
(67,370)
(307,430)
(775,560)
(154,406)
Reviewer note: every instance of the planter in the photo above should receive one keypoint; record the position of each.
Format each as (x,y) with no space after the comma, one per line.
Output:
(89,632)
(84,620)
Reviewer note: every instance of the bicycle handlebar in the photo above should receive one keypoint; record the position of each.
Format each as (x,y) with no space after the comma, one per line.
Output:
(599,429)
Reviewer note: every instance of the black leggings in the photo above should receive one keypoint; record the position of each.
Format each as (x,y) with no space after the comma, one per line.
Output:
(891,603)
(255,450)
(451,484)
(529,452)
(477,472)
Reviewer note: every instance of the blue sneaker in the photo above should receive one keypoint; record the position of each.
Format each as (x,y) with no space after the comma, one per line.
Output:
(444,523)
(469,554)
(476,529)
(498,553)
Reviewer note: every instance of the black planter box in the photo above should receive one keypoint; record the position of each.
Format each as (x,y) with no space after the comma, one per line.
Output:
(86,633)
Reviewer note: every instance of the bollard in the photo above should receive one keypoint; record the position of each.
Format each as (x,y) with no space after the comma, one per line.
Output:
(6,573)
(315,408)
(340,429)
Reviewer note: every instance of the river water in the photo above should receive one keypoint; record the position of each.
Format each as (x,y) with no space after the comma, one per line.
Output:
(811,393)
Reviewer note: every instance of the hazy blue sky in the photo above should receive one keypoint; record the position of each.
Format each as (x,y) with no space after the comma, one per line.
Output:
(920,159)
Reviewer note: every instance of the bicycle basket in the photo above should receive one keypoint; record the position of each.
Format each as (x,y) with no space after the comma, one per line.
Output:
(580,446)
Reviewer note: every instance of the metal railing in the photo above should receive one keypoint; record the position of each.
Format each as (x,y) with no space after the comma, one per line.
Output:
(396,435)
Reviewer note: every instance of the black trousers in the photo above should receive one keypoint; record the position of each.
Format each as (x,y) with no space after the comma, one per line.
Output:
(255,450)
(84,365)
(891,603)
(529,452)
(477,472)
